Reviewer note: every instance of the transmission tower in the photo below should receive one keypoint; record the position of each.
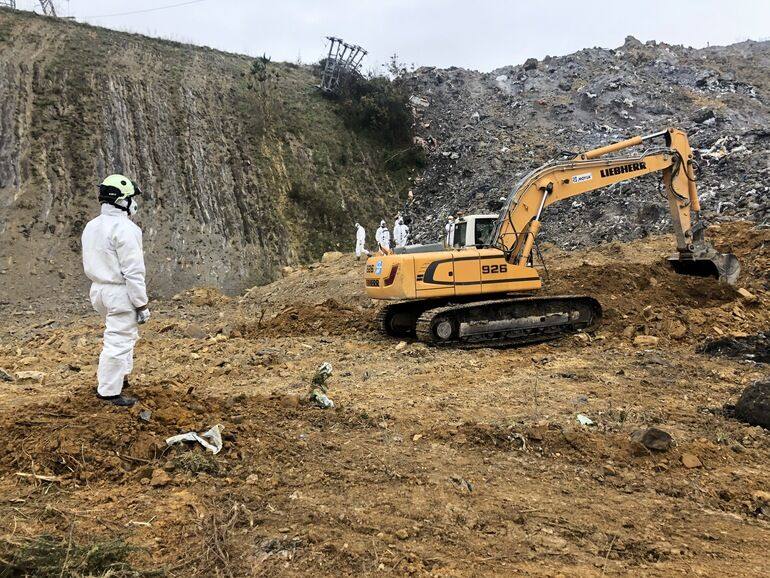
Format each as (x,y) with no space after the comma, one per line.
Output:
(8,3)
(48,8)
(343,59)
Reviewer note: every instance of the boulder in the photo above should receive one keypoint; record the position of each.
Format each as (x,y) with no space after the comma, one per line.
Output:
(330,256)
(653,439)
(530,64)
(753,407)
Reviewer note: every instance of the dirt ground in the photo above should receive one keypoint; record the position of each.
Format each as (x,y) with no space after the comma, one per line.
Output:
(434,462)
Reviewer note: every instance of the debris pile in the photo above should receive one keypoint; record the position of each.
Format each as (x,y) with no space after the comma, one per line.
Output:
(483,131)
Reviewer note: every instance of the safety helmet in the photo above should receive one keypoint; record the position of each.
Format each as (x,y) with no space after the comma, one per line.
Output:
(382,223)
(115,189)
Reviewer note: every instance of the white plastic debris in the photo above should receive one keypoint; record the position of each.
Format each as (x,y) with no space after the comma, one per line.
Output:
(584,419)
(210,439)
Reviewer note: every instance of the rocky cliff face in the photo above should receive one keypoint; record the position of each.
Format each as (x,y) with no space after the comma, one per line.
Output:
(484,130)
(241,175)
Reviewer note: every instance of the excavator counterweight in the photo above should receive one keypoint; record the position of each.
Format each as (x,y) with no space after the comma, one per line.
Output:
(481,294)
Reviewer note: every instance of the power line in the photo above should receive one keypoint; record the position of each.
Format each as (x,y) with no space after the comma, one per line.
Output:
(146,10)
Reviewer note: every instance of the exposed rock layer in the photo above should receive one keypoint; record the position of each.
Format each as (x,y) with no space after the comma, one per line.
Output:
(241,176)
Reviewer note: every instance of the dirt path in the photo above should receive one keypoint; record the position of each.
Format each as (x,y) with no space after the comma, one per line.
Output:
(434,462)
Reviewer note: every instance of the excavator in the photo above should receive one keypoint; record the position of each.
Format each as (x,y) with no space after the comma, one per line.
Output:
(480,293)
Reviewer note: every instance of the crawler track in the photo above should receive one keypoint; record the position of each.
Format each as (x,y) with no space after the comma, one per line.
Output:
(493,323)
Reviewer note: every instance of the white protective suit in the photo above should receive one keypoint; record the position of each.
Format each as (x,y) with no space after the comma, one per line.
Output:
(114,261)
(449,238)
(401,235)
(360,241)
(385,238)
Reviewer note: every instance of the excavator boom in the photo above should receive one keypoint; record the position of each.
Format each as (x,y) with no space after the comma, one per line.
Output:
(474,295)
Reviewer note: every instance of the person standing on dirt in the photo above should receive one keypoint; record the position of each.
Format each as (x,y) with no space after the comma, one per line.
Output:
(113,260)
(360,242)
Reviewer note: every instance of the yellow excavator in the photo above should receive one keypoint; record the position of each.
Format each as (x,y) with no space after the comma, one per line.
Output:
(479,293)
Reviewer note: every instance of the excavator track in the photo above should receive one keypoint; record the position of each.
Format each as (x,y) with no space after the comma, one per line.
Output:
(399,319)
(507,322)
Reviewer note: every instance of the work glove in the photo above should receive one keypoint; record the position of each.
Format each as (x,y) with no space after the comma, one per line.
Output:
(142,316)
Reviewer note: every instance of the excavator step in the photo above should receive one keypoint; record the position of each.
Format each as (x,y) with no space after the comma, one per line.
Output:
(508,322)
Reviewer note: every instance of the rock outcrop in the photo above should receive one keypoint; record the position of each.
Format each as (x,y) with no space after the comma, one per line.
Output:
(242,175)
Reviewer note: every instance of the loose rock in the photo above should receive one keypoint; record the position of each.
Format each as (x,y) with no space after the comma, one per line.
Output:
(653,439)
(753,407)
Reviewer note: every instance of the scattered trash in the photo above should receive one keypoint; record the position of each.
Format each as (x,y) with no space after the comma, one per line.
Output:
(653,439)
(584,420)
(5,376)
(750,347)
(210,439)
(145,415)
(318,387)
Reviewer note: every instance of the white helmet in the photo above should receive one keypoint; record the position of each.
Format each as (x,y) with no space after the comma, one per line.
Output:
(382,223)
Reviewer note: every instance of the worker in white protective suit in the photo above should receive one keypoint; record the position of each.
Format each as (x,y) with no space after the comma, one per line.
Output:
(383,237)
(401,233)
(449,230)
(360,242)
(114,261)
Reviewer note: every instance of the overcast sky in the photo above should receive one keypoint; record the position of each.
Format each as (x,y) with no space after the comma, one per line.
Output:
(479,34)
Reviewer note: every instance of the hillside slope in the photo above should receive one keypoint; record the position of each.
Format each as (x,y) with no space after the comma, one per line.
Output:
(488,129)
(241,176)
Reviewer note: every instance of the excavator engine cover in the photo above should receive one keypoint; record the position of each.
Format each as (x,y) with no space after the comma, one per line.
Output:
(705,261)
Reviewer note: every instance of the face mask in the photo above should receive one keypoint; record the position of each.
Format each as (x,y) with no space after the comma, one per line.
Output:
(133,207)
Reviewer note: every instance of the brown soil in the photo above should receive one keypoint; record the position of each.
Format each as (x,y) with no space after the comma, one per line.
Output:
(434,462)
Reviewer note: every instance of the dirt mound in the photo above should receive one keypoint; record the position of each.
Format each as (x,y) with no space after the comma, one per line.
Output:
(324,319)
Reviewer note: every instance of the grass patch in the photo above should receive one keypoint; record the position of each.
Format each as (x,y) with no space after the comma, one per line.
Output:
(52,557)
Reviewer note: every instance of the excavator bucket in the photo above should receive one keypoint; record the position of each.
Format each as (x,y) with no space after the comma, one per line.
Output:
(707,262)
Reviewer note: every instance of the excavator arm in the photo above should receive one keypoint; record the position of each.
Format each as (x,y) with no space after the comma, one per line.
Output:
(520,219)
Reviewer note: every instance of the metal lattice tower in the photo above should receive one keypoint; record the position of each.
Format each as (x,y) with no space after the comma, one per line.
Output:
(8,3)
(343,59)
(48,8)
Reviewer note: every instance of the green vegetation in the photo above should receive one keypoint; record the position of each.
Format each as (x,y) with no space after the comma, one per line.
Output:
(50,557)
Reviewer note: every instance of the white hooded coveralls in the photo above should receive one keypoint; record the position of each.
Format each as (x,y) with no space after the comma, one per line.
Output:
(360,240)
(384,238)
(114,261)
(401,235)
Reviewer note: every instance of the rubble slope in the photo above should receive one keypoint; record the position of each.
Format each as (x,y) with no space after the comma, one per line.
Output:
(483,131)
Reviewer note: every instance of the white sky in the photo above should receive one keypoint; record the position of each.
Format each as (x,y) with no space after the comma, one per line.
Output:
(478,34)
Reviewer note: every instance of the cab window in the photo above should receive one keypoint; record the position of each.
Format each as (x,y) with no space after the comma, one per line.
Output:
(484,230)
(459,238)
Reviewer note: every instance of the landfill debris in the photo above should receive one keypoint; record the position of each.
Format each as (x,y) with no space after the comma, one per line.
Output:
(5,376)
(653,439)
(750,347)
(318,387)
(580,101)
(584,420)
(753,407)
(145,415)
(210,439)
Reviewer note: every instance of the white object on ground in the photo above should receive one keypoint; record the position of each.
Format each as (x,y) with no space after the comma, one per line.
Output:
(211,439)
